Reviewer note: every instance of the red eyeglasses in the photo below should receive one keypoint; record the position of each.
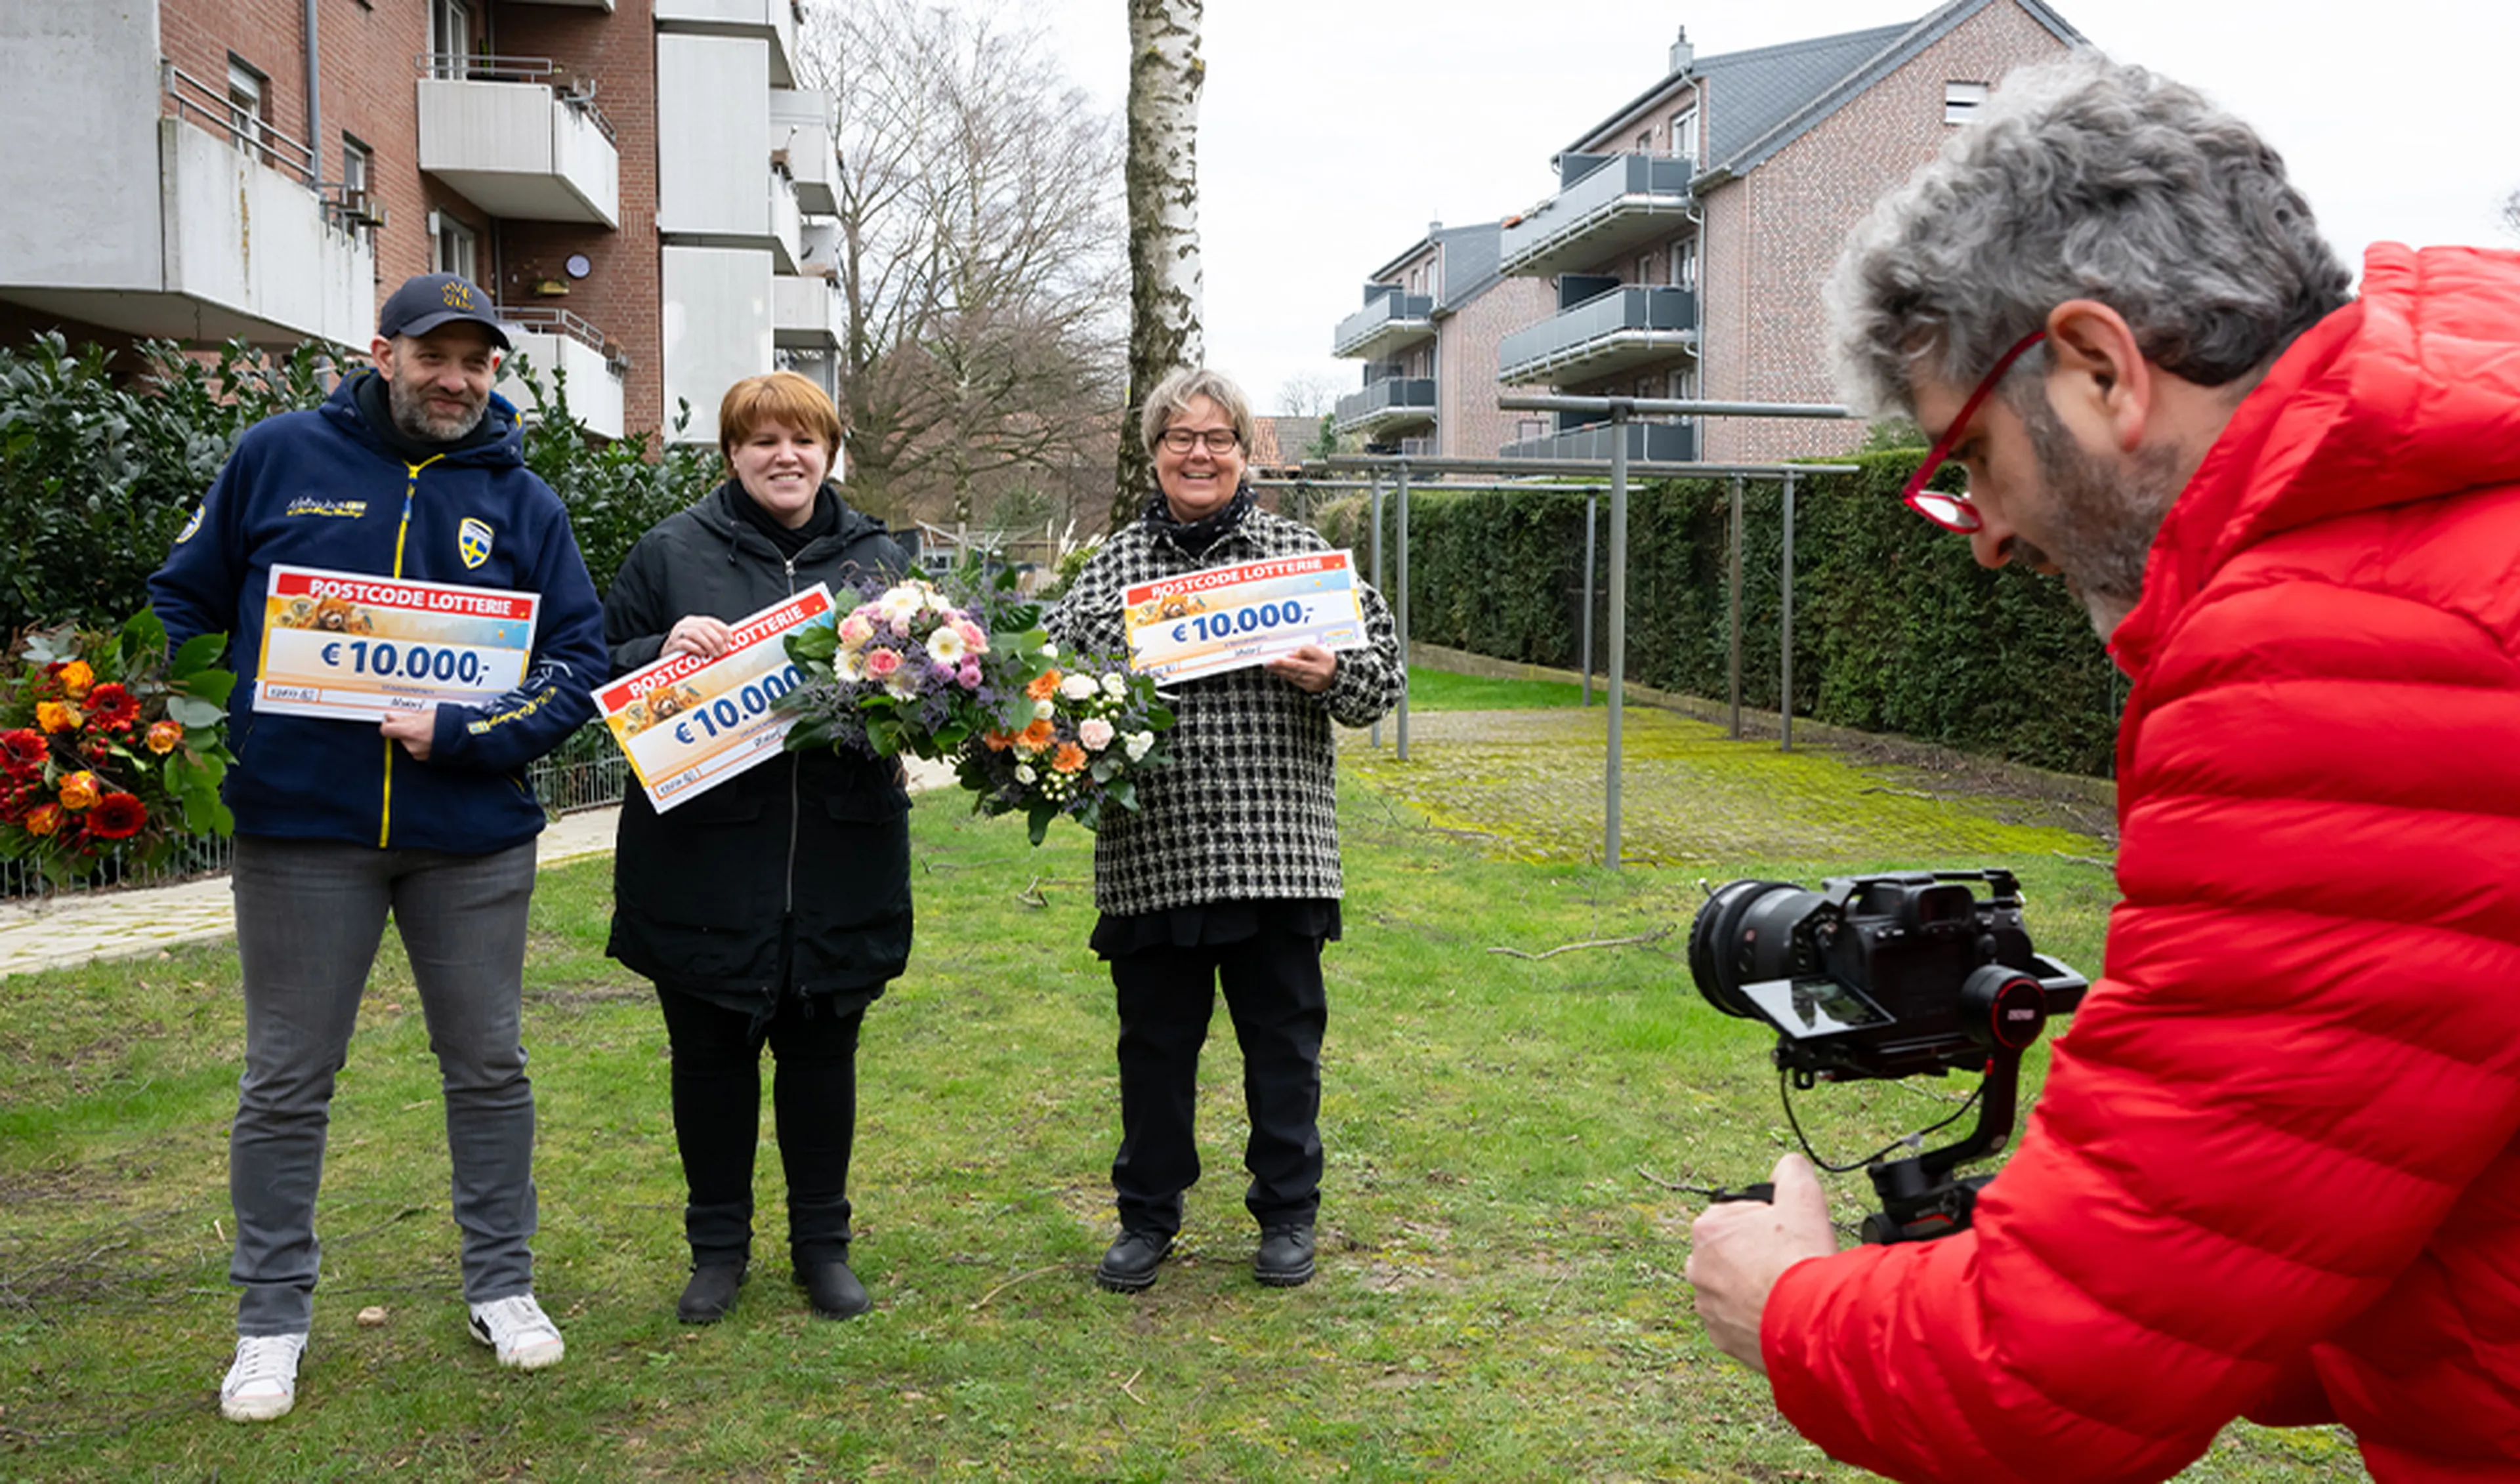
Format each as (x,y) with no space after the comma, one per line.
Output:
(1953,513)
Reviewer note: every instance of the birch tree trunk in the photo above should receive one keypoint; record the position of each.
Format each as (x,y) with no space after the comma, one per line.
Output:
(1165,76)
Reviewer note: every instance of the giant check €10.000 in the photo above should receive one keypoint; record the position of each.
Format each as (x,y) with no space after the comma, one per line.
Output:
(689,724)
(1230,617)
(360,648)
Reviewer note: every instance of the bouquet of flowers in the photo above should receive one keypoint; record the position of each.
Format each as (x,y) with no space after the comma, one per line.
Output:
(108,745)
(976,682)
(908,672)
(1086,733)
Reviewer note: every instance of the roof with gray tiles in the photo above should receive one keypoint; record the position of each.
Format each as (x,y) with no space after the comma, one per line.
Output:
(1471,256)
(1762,99)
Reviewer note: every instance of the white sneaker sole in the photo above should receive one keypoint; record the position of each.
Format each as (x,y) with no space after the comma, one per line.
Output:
(255,1409)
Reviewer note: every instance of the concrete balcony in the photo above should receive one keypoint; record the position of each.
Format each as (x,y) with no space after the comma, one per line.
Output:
(1624,329)
(1389,321)
(802,134)
(1605,206)
(568,358)
(1383,406)
(1658,442)
(770,20)
(517,148)
(805,313)
(786,224)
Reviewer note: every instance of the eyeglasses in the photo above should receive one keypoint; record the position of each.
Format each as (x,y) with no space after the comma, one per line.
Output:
(1181,440)
(1954,512)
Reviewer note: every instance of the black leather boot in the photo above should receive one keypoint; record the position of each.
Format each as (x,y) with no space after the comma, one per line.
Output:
(834,1291)
(1286,1256)
(710,1293)
(1130,1266)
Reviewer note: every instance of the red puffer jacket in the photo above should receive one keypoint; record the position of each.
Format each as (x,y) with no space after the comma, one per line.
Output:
(2274,1170)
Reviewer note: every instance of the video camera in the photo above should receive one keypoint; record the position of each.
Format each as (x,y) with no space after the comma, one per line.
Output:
(1889,977)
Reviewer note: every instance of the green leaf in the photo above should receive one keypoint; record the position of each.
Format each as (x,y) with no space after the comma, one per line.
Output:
(1037,823)
(816,645)
(193,712)
(199,653)
(213,685)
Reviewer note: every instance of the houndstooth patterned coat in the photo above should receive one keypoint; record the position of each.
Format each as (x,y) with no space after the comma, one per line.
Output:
(1248,808)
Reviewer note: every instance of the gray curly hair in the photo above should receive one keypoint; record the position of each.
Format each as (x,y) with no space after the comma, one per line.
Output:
(2082,179)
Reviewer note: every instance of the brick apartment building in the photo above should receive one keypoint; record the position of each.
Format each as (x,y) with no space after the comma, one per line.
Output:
(635,181)
(1428,336)
(1683,252)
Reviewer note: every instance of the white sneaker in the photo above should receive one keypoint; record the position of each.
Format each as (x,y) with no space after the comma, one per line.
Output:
(517,1329)
(263,1383)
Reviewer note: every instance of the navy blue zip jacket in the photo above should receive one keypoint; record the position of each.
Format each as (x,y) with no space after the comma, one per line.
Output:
(321,489)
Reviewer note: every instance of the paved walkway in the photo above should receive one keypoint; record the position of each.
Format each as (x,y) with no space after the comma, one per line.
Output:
(81,928)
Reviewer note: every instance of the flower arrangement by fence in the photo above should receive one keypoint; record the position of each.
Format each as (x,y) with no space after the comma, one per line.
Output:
(109,748)
(971,679)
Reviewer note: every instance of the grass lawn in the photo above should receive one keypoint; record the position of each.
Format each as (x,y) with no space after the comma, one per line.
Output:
(1500,1294)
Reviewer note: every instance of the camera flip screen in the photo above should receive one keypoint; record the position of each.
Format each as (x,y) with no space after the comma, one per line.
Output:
(1808,1007)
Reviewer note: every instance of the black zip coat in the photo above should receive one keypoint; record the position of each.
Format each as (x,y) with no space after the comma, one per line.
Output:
(796,874)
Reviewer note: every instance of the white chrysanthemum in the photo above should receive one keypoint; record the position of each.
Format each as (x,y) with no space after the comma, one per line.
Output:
(1077,687)
(849,664)
(1095,733)
(1044,710)
(946,645)
(1049,651)
(901,687)
(1113,686)
(1025,773)
(1138,745)
(902,604)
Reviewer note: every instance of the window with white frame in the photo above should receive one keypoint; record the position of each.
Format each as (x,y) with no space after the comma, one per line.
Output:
(1961,100)
(1684,263)
(450,36)
(457,247)
(248,120)
(1644,269)
(1684,134)
(358,171)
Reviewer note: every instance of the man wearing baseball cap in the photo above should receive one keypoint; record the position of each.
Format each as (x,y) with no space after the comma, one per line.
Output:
(412,471)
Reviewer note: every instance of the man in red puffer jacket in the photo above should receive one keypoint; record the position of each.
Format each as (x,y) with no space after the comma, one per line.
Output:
(2274,1172)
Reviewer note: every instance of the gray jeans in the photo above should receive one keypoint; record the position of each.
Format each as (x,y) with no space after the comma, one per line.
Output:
(310,916)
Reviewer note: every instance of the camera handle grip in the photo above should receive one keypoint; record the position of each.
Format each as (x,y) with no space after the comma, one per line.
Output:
(1764,1191)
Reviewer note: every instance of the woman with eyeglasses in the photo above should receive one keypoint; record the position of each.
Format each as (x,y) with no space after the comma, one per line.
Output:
(1230,872)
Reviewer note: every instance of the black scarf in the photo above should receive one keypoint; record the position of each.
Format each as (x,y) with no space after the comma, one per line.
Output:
(789,540)
(1196,536)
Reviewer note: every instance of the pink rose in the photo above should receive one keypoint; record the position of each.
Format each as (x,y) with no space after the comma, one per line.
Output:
(881,663)
(855,630)
(971,675)
(971,635)
(1095,733)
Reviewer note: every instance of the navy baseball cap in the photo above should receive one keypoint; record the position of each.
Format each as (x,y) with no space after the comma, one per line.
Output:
(431,299)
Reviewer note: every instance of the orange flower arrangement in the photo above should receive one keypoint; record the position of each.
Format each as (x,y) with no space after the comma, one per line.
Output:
(1041,734)
(111,749)
(1043,686)
(1069,758)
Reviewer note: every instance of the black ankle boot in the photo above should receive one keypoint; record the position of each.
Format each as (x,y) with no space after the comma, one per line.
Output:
(834,1291)
(710,1293)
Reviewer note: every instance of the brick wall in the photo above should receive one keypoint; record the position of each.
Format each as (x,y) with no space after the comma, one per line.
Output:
(1468,425)
(1775,236)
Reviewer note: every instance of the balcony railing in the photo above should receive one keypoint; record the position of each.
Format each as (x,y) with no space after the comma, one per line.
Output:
(575,93)
(520,138)
(1391,321)
(189,97)
(1624,201)
(1392,402)
(1659,442)
(1610,332)
(557,340)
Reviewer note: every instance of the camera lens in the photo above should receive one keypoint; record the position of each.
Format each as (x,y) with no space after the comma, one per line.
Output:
(1743,934)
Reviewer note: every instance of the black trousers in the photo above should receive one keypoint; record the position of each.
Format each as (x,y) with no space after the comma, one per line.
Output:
(717,1120)
(1273,990)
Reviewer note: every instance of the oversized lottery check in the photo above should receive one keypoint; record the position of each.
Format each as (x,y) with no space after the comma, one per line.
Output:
(1230,617)
(689,724)
(359,648)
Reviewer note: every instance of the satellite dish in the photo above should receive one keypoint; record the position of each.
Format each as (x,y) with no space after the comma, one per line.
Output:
(578,265)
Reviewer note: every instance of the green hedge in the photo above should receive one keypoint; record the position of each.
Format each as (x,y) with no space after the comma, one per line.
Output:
(98,470)
(1896,629)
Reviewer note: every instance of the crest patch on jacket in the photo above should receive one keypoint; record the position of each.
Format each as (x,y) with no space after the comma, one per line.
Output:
(473,540)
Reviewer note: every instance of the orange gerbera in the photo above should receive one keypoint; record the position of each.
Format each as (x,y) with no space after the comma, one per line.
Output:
(1043,686)
(1036,737)
(76,677)
(995,741)
(79,791)
(163,736)
(58,716)
(44,819)
(1069,758)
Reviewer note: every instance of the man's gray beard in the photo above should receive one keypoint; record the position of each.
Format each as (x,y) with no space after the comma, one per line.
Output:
(2102,514)
(411,414)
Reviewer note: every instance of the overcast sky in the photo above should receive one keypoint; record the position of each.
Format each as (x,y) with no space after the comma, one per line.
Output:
(1334,131)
